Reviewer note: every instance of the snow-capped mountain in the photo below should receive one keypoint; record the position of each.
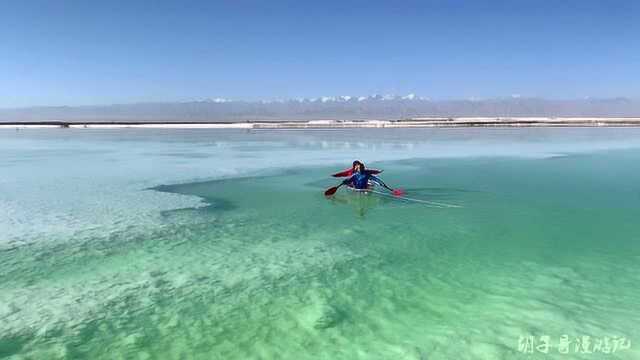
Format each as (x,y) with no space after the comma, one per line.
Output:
(328,107)
(335,99)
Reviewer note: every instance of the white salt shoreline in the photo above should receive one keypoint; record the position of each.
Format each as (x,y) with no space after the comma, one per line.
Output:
(338,124)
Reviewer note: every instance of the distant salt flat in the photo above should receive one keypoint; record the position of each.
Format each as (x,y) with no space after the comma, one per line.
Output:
(338,124)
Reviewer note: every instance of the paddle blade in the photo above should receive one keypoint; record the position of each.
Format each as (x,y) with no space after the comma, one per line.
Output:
(331,191)
(398,192)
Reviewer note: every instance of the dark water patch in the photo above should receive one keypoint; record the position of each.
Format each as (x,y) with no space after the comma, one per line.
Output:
(13,345)
(190,188)
(215,205)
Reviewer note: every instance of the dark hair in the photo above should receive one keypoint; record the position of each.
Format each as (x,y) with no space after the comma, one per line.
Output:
(358,162)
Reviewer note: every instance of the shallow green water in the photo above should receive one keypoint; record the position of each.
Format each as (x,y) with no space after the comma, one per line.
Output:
(272,269)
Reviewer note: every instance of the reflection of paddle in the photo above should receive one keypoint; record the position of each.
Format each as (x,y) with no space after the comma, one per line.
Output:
(332,190)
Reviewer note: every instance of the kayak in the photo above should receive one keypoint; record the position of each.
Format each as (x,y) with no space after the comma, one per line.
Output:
(349,172)
(361,191)
(372,190)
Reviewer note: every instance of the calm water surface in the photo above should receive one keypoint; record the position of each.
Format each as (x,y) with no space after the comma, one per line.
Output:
(175,244)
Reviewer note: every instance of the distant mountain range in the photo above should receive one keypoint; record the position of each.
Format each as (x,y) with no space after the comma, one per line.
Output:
(335,107)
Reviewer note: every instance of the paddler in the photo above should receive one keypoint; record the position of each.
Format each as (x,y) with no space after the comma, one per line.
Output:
(349,172)
(359,178)
(362,177)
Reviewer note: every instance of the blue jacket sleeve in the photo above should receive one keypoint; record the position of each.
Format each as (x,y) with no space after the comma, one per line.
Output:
(348,180)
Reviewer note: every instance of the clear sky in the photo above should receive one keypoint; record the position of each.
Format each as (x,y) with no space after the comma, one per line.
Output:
(101,52)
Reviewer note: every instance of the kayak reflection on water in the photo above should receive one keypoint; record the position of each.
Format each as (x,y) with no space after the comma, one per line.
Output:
(362,201)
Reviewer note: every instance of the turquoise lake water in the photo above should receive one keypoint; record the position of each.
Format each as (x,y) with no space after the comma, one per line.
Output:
(215,244)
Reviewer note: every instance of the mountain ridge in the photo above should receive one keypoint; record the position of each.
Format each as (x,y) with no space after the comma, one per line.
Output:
(328,107)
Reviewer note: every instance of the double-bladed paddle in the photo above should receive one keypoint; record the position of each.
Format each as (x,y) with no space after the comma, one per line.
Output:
(332,190)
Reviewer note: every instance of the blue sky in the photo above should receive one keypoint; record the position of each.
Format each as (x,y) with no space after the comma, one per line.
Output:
(101,52)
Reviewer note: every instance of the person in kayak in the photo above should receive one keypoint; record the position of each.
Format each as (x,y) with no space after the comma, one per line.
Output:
(361,178)
(352,170)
